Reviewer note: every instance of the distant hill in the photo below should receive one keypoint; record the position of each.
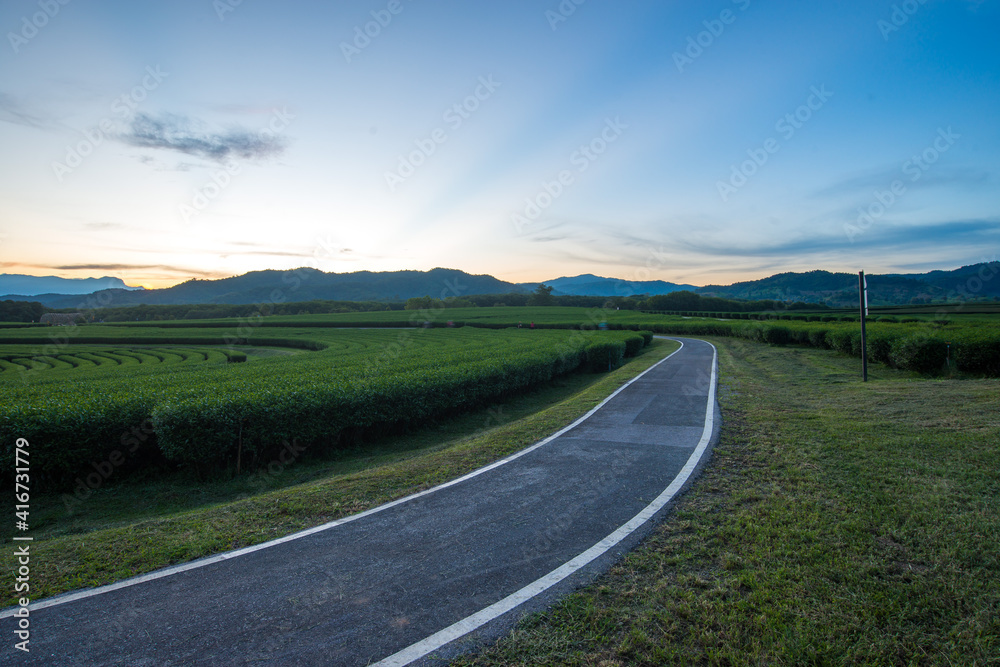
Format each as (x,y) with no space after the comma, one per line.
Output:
(302,284)
(841,289)
(24,286)
(305,284)
(591,285)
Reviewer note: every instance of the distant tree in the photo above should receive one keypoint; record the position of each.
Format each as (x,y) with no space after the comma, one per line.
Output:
(418,303)
(20,311)
(542,296)
(683,300)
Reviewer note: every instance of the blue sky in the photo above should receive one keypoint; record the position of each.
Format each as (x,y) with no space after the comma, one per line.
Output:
(693,142)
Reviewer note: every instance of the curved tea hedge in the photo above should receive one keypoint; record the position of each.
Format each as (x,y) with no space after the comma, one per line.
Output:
(208,416)
(89,357)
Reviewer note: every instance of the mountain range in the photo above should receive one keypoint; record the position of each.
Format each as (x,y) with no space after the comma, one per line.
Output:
(306,284)
(591,285)
(15,283)
(976,281)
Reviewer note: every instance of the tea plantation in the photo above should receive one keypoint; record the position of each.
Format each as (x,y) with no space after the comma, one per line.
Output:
(78,403)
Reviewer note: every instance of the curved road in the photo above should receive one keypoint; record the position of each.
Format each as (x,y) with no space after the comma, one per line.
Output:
(429,575)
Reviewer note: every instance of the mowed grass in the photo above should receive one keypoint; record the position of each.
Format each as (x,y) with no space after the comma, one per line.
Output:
(836,523)
(132,527)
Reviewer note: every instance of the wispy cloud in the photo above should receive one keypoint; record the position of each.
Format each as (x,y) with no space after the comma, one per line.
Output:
(886,236)
(16,112)
(101,226)
(865,184)
(131,267)
(174,132)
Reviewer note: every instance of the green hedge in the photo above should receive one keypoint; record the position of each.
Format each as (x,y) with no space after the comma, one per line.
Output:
(634,344)
(208,417)
(605,356)
(974,349)
(918,353)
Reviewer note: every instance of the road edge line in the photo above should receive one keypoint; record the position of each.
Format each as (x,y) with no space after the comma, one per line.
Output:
(171,570)
(459,629)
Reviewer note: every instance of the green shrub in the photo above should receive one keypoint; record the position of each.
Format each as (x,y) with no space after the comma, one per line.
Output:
(880,344)
(634,345)
(605,356)
(840,340)
(800,336)
(751,331)
(647,337)
(918,353)
(777,335)
(977,351)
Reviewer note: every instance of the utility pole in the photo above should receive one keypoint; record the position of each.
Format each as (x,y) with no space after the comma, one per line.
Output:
(863,301)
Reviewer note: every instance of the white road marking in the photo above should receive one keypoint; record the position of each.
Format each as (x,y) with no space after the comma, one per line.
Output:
(210,560)
(484,616)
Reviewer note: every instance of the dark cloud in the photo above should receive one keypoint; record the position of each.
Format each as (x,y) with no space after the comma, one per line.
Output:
(179,133)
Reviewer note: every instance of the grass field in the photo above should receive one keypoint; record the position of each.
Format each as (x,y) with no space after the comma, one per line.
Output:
(836,523)
(133,525)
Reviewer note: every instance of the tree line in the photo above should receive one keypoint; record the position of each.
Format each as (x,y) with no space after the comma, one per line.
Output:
(31,311)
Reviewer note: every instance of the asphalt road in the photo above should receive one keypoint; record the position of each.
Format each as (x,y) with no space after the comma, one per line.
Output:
(419,579)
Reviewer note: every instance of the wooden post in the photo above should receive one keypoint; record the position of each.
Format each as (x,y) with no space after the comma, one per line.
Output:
(863,301)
